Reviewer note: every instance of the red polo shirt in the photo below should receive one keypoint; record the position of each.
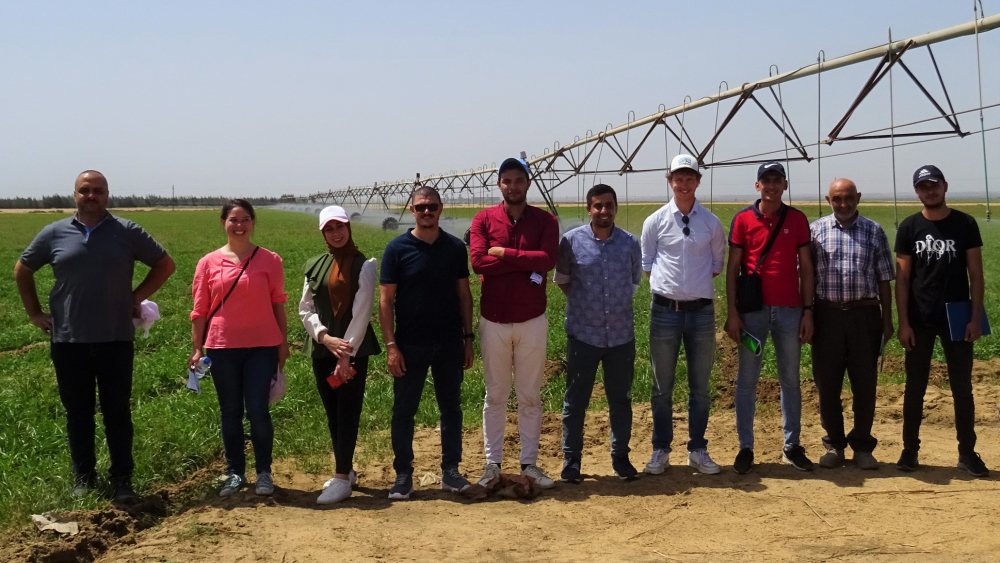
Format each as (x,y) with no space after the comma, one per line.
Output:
(530,245)
(779,273)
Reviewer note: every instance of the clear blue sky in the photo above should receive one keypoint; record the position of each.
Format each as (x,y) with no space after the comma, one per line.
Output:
(254,98)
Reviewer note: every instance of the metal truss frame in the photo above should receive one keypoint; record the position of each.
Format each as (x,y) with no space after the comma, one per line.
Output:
(557,166)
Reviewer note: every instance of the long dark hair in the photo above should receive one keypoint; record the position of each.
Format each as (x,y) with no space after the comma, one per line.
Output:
(236,202)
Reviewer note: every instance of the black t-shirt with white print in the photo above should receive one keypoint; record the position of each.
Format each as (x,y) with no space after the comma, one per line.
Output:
(939,273)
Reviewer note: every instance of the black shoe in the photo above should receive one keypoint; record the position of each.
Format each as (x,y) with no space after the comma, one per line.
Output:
(83,484)
(402,488)
(796,457)
(973,464)
(744,461)
(123,493)
(571,471)
(908,461)
(624,468)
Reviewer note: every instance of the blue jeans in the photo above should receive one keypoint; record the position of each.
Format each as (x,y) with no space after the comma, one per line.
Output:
(242,378)
(581,370)
(445,360)
(667,330)
(782,323)
(104,367)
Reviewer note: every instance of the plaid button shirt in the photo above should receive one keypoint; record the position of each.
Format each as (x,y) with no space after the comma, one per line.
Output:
(850,259)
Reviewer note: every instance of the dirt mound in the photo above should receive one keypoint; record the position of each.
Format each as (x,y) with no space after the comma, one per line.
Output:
(773,513)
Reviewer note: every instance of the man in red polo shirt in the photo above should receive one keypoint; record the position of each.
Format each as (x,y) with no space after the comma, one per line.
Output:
(788,286)
(512,246)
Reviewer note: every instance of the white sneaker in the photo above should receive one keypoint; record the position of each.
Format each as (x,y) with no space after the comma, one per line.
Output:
(658,463)
(542,481)
(700,460)
(352,477)
(490,474)
(336,491)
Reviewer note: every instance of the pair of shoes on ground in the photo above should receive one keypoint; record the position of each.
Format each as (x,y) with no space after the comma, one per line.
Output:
(234,483)
(452,481)
(336,490)
(698,459)
(121,491)
(621,465)
(794,456)
(492,472)
(969,462)
(834,457)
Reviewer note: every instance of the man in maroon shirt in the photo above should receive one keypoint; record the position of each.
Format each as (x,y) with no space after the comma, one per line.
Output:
(513,245)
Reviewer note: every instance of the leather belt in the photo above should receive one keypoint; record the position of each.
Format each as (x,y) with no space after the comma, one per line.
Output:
(680,305)
(847,305)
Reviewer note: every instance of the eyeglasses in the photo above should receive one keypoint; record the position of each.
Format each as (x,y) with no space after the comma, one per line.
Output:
(426,207)
(685,219)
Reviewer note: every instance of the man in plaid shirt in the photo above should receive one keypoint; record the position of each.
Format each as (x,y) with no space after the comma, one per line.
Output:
(852,320)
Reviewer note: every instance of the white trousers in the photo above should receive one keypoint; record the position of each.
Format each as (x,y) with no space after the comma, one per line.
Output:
(513,354)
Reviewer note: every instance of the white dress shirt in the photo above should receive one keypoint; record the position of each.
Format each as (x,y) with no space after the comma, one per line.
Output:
(681,267)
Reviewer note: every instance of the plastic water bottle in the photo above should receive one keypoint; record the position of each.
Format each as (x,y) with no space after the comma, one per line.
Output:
(202,367)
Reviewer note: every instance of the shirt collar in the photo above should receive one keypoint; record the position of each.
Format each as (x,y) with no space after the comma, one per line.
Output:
(672,206)
(590,233)
(853,221)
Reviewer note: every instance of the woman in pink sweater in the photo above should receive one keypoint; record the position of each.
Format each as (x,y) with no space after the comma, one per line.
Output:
(238,321)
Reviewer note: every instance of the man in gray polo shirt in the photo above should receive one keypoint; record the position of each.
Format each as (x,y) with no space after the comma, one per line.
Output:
(92,304)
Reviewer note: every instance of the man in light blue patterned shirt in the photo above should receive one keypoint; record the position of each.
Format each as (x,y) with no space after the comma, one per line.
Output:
(683,245)
(598,269)
(852,320)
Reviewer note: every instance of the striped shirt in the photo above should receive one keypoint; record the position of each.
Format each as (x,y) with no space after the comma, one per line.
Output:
(850,259)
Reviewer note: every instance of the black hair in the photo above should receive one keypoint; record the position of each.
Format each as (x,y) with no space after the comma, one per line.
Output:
(236,202)
(601,189)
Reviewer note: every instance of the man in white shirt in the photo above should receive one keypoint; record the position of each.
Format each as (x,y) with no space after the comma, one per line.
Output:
(682,250)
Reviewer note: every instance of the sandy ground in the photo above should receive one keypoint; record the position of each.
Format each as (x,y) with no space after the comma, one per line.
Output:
(773,513)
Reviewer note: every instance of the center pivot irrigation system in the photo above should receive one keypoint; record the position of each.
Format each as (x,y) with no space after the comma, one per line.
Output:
(583,157)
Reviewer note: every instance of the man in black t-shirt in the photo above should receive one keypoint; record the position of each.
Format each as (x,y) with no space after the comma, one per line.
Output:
(939,260)
(426,315)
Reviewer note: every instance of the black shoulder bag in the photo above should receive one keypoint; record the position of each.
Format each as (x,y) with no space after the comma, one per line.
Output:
(208,319)
(749,288)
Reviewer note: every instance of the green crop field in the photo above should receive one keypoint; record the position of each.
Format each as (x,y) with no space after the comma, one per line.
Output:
(177,431)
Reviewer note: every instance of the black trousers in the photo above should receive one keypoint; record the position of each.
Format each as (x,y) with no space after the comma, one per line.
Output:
(958,356)
(343,408)
(105,367)
(444,359)
(847,341)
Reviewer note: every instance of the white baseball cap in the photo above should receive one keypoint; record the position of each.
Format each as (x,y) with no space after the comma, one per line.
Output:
(332,213)
(684,161)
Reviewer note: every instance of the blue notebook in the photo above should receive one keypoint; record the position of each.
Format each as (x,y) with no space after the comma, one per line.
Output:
(959,313)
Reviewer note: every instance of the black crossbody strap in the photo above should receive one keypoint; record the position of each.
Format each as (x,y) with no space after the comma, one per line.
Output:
(770,240)
(228,293)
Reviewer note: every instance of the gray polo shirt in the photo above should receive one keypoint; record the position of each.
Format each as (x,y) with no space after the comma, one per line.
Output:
(91,300)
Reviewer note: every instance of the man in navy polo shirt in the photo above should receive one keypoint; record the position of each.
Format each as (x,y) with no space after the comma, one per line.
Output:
(92,304)
(788,284)
(426,315)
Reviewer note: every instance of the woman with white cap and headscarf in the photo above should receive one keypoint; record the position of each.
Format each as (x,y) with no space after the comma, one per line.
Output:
(336,309)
